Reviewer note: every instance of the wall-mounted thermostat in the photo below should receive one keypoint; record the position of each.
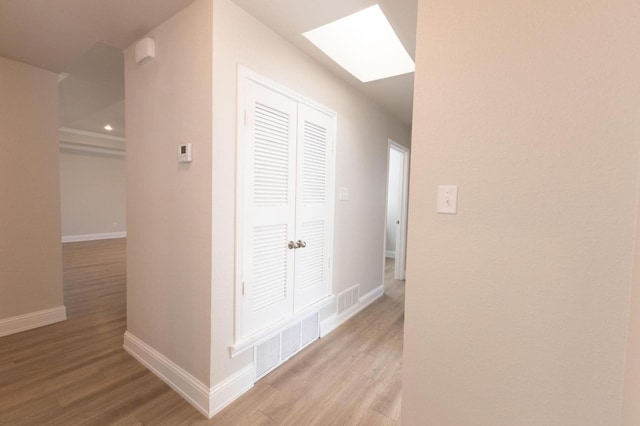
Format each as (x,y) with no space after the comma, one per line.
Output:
(185,154)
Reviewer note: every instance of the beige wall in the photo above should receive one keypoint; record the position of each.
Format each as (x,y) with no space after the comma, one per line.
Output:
(93,193)
(517,307)
(168,103)
(363,130)
(631,395)
(30,248)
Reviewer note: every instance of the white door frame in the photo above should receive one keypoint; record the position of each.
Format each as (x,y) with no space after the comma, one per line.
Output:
(401,236)
(241,340)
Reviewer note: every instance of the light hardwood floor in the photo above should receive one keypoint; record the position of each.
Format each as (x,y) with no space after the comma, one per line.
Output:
(76,372)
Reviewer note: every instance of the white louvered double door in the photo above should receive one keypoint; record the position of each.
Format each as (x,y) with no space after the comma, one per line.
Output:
(287,155)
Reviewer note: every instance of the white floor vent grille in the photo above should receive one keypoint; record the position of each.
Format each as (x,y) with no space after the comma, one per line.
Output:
(310,330)
(290,341)
(267,355)
(273,352)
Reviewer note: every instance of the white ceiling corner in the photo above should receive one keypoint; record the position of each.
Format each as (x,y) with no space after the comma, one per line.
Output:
(85,39)
(291,18)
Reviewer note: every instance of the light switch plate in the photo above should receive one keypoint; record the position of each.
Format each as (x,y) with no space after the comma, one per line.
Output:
(344,194)
(447,199)
(185,153)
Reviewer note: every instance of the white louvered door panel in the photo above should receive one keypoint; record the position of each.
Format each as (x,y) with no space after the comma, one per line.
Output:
(313,206)
(269,176)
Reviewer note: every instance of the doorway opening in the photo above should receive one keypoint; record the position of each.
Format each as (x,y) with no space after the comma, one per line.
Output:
(397,203)
(92,160)
(92,146)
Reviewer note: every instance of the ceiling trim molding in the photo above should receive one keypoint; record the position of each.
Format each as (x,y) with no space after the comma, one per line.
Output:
(95,150)
(91,134)
(90,142)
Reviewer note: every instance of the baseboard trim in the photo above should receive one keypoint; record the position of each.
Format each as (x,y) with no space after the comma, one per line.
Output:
(230,389)
(190,388)
(208,401)
(93,237)
(32,320)
(335,320)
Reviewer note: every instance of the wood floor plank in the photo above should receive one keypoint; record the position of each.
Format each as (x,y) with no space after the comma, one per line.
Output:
(373,418)
(389,398)
(167,410)
(130,420)
(76,372)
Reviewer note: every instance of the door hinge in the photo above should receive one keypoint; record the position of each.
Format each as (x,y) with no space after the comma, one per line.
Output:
(243,288)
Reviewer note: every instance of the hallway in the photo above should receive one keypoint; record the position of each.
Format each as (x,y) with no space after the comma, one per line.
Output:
(350,377)
(76,372)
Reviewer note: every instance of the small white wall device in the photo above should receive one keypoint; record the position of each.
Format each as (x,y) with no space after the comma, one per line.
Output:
(145,50)
(344,194)
(185,153)
(448,199)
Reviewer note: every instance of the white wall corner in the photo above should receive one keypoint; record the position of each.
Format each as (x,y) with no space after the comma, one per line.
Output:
(32,320)
(93,237)
(190,388)
(230,389)
(336,320)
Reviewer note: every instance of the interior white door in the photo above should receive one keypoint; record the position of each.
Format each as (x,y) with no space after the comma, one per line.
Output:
(313,206)
(400,155)
(269,207)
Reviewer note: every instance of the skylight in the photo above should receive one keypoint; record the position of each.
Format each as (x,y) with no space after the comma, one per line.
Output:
(364,44)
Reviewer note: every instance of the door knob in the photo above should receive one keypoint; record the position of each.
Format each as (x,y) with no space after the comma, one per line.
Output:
(292,245)
(301,244)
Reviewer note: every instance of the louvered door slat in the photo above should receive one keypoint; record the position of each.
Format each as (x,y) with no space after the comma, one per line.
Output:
(313,208)
(314,162)
(310,262)
(271,155)
(269,208)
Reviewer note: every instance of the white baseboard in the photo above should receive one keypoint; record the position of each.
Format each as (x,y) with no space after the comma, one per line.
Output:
(93,237)
(390,254)
(335,320)
(190,388)
(208,401)
(227,391)
(32,320)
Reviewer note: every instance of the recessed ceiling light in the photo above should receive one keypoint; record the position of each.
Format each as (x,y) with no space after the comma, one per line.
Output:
(364,44)
(108,127)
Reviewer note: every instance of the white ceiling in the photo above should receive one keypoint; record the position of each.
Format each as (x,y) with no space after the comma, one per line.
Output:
(85,39)
(93,93)
(290,18)
(53,34)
